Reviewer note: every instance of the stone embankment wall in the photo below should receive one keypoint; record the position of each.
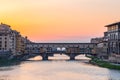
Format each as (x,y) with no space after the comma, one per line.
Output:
(114,58)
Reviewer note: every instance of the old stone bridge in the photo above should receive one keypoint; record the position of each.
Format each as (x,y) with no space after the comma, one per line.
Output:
(49,49)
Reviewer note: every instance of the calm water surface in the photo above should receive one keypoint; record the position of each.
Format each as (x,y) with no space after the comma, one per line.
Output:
(58,68)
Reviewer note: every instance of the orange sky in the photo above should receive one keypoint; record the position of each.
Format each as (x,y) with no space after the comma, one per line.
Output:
(59,20)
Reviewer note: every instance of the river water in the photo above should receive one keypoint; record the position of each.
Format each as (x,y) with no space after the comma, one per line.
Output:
(58,68)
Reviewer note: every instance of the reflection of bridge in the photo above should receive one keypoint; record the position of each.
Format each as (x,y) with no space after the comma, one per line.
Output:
(49,49)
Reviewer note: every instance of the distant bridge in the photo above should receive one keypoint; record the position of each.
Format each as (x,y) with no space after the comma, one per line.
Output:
(49,49)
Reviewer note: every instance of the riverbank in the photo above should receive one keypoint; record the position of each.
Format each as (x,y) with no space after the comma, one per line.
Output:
(105,64)
(6,62)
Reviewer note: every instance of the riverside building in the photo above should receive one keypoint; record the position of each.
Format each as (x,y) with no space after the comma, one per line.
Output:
(11,41)
(113,36)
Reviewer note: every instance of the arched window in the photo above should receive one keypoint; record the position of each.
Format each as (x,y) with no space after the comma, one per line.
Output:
(63,49)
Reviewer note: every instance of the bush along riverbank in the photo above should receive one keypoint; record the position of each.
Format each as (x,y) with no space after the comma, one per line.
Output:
(7,62)
(105,64)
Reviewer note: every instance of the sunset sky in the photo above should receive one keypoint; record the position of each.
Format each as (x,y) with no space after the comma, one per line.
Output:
(59,20)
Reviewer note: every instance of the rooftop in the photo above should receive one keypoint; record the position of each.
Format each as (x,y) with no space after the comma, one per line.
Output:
(117,23)
(2,24)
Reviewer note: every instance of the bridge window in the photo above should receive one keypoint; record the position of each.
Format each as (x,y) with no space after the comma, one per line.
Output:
(63,49)
(58,49)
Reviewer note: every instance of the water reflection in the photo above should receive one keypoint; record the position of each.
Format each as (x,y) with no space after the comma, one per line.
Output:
(113,75)
(6,68)
(58,68)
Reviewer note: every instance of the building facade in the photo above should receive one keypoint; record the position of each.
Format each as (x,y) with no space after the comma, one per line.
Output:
(11,41)
(113,36)
(7,39)
(101,50)
(97,40)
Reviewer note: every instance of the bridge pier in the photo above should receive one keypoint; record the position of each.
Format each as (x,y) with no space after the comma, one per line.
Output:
(72,56)
(44,56)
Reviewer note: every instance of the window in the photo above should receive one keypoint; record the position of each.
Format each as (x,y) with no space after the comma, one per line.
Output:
(5,38)
(5,42)
(0,43)
(5,45)
(119,36)
(5,34)
(112,28)
(119,45)
(116,27)
(114,36)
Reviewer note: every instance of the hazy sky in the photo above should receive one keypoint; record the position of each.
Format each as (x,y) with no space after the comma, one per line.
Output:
(60,20)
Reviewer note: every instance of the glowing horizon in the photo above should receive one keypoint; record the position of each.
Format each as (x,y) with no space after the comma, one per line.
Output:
(59,20)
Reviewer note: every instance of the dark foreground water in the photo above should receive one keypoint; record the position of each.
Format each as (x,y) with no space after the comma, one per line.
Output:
(58,68)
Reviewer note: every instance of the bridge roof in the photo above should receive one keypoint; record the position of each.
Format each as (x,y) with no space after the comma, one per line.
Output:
(60,43)
(117,23)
